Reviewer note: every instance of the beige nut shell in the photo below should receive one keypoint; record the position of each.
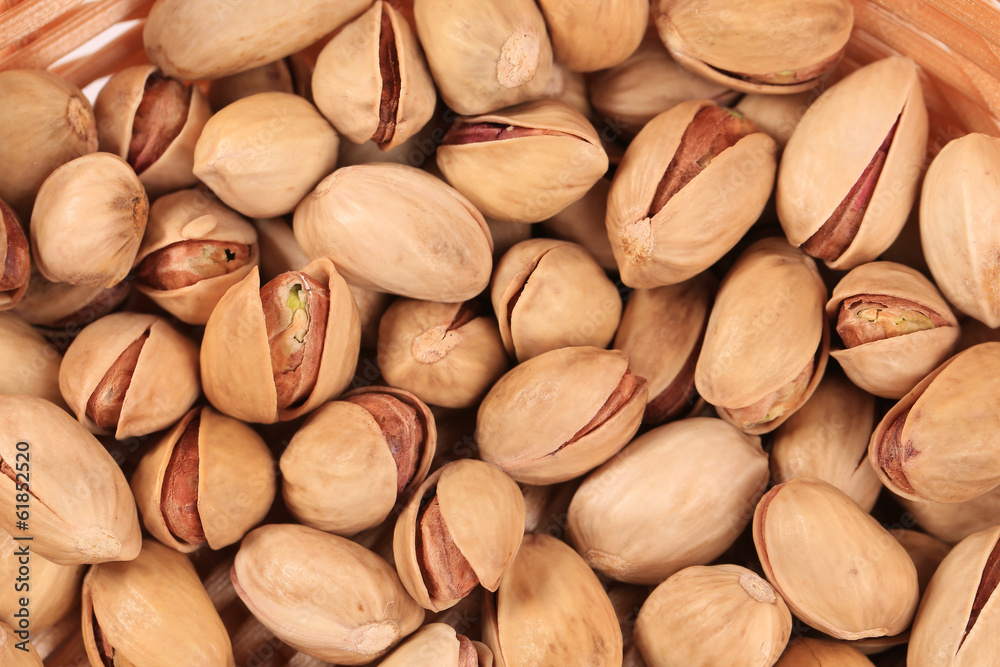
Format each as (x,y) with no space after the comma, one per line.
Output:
(31,363)
(53,587)
(953,522)
(434,644)
(592,36)
(808,652)
(13,653)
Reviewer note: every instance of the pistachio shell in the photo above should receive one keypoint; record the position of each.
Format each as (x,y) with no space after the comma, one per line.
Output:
(953,522)
(288,75)
(569,87)
(397,229)
(925,551)
(678,495)
(777,115)
(31,363)
(153,611)
(279,251)
(81,509)
(13,653)
(582,222)
(836,567)
(52,588)
(594,36)
(67,307)
(808,652)
(15,258)
(437,644)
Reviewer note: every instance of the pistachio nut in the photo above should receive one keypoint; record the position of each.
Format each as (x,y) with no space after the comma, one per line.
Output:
(549,294)
(718,615)
(953,522)
(211,41)
(15,651)
(582,222)
(846,201)
(938,442)
(448,354)
(194,250)
(484,54)
(287,75)
(153,122)
(438,644)
(835,566)
(827,438)
(129,374)
(299,339)
(250,153)
(777,46)
(371,80)
(151,611)
(31,364)
(560,414)
(925,551)
(397,229)
(550,609)
(346,468)
(957,625)
(777,115)
(569,87)
(525,163)
(61,309)
(322,594)
(88,221)
(809,652)
(592,36)
(661,331)
(958,224)
(47,122)
(678,495)
(52,588)
(674,208)
(460,529)
(767,342)
(81,509)
(209,480)
(895,327)
(15,258)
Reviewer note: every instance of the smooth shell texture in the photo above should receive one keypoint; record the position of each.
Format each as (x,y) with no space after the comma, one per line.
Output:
(597,35)
(31,362)
(953,522)
(582,222)
(808,652)
(52,587)
(434,644)
(13,655)
(925,551)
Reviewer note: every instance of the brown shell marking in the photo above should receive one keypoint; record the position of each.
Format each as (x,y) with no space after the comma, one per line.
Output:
(105,404)
(179,499)
(475,133)
(404,431)
(186,263)
(161,116)
(392,83)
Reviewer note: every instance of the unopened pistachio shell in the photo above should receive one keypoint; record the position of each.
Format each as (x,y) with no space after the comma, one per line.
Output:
(595,36)
(31,363)
(808,652)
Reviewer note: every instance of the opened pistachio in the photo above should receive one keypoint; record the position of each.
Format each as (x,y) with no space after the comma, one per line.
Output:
(594,36)
(15,258)
(51,588)
(438,644)
(31,363)
(809,652)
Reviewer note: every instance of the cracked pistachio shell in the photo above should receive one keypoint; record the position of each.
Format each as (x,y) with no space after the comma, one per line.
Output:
(209,41)
(835,566)
(553,158)
(339,474)
(831,164)
(772,46)
(438,644)
(958,624)
(482,511)
(371,80)
(767,341)
(678,495)
(53,587)
(927,329)
(448,354)
(560,414)
(958,225)
(134,360)
(549,294)
(708,616)
(191,217)
(807,652)
(82,510)
(152,611)
(262,154)
(322,594)
(484,54)
(30,362)
(582,222)
(233,480)
(827,438)
(15,258)
(699,224)
(925,551)
(939,442)
(953,522)
(88,221)
(14,653)
(591,36)
(119,108)
(242,384)
(550,609)
(397,229)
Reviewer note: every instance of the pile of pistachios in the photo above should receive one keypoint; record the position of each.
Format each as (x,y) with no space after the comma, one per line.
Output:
(495,333)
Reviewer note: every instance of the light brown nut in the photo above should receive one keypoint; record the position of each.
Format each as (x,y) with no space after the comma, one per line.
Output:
(593,36)
(51,588)
(15,258)
(582,222)
(953,522)
(31,363)
(61,309)
(13,652)
(287,75)
(925,551)
(438,644)
(809,652)
(777,115)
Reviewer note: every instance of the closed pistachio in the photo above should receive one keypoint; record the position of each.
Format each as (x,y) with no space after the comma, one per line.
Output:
(15,651)
(298,336)
(15,258)
(582,222)
(61,309)
(560,414)
(209,480)
(549,294)
(767,342)
(484,54)
(371,80)
(809,652)
(354,459)
(938,442)
(550,609)
(31,364)
(460,529)
(846,201)
(151,611)
(397,229)
(958,225)
(47,122)
(525,163)
(593,36)
(953,522)
(81,509)
(719,615)
(925,551)
(677,496)
(447,354)
(438,644)
(834,565)
(674,208)
(129,374)
(322,594)
(51,588)
(288,75)
(88,221)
